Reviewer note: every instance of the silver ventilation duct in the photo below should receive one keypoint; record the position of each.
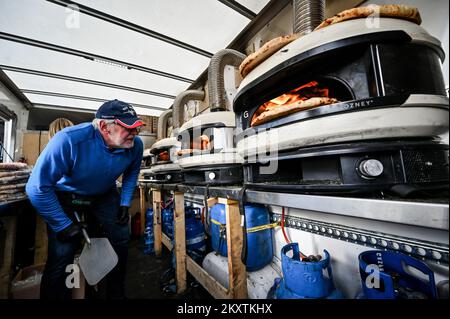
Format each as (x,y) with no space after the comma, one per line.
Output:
(308,14)
(216,82)
(178,106)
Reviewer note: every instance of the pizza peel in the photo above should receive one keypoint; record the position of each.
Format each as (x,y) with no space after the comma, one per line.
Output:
(97,259)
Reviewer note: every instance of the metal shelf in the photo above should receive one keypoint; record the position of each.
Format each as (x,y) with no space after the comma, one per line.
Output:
(229,192)
(421,214)
(415,213)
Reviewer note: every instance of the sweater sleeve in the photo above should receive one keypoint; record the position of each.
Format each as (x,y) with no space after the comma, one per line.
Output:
(53,163)
(130,175)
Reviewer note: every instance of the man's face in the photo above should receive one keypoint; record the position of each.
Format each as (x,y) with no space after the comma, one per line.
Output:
(120,136)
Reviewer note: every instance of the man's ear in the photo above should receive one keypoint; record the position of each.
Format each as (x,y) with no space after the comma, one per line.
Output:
(103,126)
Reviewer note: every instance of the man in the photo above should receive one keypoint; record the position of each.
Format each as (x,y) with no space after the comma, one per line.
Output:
(77,171)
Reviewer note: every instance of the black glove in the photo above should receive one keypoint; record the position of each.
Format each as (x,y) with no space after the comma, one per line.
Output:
(71,233)
(122,216)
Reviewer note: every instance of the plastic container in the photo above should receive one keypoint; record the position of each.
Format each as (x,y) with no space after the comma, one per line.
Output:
(259,243)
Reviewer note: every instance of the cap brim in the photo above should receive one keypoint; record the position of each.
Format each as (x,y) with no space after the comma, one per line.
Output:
(130,123)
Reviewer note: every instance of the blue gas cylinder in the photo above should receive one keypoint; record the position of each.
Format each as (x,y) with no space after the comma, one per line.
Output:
(195,238)
(192,212)
(390,275)
(259,242)
(303,280)
(167,221)
(149,238)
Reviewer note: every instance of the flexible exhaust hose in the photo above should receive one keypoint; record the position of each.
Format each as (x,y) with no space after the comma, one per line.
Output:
(178,106)
(216,83)
(162,124)
(308,14)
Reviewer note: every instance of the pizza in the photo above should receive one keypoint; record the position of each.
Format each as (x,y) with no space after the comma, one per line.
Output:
(269,48)
(284,110)
(391,10)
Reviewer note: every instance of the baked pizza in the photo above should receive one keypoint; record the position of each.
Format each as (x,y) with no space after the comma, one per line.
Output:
(391,10)
(269,48)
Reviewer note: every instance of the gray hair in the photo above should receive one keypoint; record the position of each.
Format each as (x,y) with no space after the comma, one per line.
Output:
(96,122)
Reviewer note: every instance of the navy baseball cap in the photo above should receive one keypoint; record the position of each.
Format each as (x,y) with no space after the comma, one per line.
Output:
(120,111)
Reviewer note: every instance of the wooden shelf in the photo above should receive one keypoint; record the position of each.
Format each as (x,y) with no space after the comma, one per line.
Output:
(237,280)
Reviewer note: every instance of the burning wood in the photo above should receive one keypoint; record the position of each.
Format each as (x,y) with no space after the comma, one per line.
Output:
(304,97)
(163,156)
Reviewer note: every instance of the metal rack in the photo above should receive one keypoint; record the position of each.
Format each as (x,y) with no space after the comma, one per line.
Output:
(413,213)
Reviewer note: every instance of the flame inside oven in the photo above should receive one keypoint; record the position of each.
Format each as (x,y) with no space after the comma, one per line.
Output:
(163,156)
(291,102)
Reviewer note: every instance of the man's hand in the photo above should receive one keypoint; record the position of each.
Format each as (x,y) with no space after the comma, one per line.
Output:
(70,233)
(122,216)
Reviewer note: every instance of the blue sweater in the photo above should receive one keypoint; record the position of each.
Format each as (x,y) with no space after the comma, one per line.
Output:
(77,160)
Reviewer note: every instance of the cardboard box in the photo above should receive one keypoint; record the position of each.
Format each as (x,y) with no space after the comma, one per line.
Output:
(27,283)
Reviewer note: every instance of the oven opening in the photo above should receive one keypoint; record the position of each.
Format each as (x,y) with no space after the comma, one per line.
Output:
(161,156)
(206,140)
(305,96)
(196,142)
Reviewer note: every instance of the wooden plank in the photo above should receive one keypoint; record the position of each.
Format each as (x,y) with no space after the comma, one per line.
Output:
(143,206)
(10,224)
(212,201)
(208,282)
(40,241)
(237,274)
(226,201)
(166,241)
(180,242)
(157,220)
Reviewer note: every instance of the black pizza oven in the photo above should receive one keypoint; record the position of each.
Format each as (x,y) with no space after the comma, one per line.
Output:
(382,134)
(366,71)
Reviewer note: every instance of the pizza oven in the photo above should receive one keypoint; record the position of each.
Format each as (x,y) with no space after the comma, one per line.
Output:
(208,153)
(388,107)
(163,155)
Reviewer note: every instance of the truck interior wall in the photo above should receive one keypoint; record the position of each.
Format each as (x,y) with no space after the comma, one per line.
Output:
(344,255)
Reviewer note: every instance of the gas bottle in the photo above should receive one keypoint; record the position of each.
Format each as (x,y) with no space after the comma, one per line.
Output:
(391,276)
(195,238)
(305,279)
(167,221)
